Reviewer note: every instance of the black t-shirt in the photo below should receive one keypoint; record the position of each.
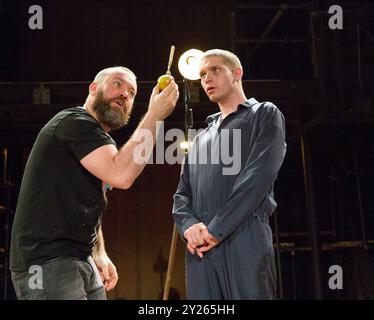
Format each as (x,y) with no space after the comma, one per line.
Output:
(60,203)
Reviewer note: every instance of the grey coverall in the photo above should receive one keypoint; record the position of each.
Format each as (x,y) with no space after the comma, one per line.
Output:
(235,205)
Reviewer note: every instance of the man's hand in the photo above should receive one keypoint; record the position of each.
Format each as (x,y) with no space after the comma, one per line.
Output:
(162,103)
(195,234)
(107,271)
(209,244)
(199,239)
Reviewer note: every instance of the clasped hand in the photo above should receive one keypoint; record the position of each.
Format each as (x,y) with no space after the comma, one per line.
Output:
(199,240)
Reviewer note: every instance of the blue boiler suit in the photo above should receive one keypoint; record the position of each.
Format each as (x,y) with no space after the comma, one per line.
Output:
(234,205)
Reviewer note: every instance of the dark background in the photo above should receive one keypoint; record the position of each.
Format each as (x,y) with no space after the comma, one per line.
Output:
(321,79)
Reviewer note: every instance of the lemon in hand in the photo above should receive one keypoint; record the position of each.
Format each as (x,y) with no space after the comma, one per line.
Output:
(164,81)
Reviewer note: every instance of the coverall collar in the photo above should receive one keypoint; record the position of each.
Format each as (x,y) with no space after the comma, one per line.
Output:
(246,104)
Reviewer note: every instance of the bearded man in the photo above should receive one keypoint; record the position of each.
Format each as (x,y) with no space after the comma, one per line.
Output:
(56,234)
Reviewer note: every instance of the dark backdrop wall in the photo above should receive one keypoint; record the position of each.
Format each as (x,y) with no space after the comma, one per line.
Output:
(81,37)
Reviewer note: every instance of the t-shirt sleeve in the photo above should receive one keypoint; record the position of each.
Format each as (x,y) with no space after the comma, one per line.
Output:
(81,135)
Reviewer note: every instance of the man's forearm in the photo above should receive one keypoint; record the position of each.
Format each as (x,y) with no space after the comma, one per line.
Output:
(133,156)
(99,248)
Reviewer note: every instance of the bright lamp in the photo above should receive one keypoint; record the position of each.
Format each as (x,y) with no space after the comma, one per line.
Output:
(189,64)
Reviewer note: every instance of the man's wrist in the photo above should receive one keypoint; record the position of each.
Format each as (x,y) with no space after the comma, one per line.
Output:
(152,116)
(98,252)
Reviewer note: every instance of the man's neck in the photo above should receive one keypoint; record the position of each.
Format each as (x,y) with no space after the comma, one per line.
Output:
(87,106)
(231,104)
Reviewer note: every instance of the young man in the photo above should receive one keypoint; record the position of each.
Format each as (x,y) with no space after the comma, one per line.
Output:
(57,246)
(223,215)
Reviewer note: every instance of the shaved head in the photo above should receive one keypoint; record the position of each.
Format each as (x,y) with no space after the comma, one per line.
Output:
(103,74)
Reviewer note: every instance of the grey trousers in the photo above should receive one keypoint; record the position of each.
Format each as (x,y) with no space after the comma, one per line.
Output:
(63,278)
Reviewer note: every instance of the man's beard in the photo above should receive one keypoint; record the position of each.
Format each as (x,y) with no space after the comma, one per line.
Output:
(111,117)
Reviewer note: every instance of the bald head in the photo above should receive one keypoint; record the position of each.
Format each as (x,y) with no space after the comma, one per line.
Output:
(103,74)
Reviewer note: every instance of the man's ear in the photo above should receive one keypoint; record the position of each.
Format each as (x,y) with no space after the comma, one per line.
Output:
(92,88)
(238,73)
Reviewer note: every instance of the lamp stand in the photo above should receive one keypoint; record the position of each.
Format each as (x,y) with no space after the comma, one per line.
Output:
(188,124)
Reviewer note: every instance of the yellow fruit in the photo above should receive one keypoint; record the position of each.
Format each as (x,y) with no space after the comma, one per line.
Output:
(163,81)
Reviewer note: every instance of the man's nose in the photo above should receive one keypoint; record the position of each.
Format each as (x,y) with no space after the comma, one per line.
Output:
(208,78)
(124,93)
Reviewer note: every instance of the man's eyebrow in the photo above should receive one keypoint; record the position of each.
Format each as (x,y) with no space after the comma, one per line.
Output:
(117,78)
(211,67)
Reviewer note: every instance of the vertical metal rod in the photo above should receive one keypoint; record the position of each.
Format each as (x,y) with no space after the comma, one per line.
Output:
(360,206)
(293,262)
(7,186)
(188,123)
(319,59)
(314,49)
(5,169)
(169,271)
(333,220)
(278,251)
(359,55)
(312,216)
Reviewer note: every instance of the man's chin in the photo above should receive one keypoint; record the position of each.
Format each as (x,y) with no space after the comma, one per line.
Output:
(115,124)
(214,98)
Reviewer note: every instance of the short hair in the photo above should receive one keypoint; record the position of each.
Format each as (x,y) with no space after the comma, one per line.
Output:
(103,74)
(229,58)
